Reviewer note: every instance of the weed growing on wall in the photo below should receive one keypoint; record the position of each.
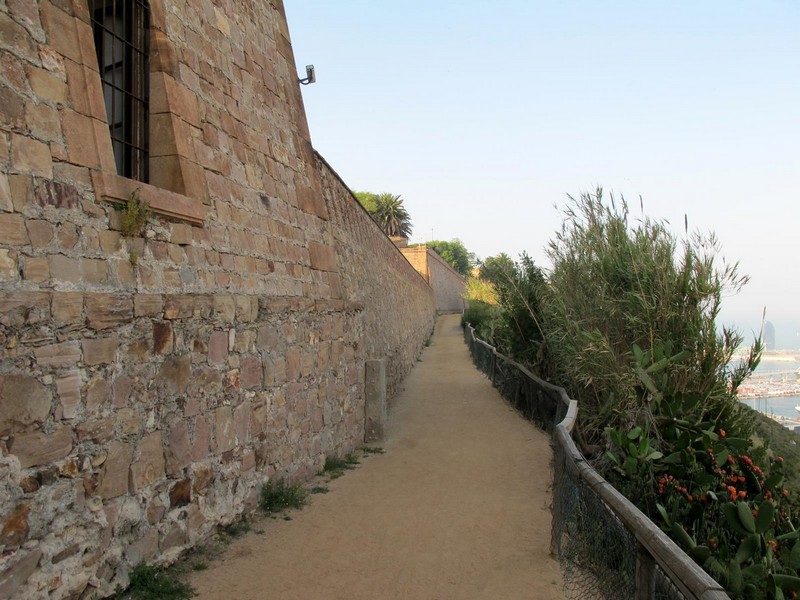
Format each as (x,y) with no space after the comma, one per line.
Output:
(135,214)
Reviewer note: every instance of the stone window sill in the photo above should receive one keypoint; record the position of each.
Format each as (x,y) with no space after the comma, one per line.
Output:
(115,188)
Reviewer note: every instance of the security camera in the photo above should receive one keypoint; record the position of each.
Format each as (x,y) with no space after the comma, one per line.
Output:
(311,77)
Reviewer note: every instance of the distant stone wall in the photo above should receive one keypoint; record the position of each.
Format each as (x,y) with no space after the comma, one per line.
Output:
(398,304)
(149,385)
(448,285)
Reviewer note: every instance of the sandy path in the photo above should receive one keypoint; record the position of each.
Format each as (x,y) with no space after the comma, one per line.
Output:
(457,507)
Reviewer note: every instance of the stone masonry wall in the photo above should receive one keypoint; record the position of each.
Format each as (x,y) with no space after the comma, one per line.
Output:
(448,285)
(149,385)
(395,323)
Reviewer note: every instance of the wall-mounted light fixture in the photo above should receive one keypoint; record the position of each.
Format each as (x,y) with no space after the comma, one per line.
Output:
(311,77)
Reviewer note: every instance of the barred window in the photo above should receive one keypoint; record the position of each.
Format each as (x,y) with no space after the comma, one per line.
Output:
(121,40)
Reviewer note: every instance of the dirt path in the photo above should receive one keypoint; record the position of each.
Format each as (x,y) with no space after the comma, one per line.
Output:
(457,507)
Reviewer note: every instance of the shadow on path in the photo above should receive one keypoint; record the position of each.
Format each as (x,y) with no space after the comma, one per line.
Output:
(457,507)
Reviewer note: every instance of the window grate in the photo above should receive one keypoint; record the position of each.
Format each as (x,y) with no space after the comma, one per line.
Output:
(121,38)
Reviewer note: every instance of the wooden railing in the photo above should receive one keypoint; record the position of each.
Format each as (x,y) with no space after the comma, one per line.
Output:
(659,569)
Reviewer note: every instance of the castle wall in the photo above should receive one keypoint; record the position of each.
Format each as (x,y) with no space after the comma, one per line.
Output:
(150,384)
(448,285)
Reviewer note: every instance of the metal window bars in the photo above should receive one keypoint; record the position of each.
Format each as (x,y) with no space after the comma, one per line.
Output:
(121,37)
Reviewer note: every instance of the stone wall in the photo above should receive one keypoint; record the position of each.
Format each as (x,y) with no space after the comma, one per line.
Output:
(150,384)
(448,285)
(394,323)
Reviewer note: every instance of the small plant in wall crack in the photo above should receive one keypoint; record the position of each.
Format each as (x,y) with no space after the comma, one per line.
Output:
(135,214)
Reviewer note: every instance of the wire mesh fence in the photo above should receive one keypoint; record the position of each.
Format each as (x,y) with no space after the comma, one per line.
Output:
(603,543)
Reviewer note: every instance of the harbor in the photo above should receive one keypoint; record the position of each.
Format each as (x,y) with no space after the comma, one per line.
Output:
(774,388)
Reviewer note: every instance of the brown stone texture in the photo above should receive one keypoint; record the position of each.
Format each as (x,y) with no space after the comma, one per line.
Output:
(18,572)
(114,473)
(99,351)
(24,401)
(65,354)
(181,493)
(15,527)
(41,448)
(69,393)
(104,311)
(149,467)
(225,342)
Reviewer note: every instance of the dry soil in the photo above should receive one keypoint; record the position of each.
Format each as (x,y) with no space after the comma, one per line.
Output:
(457,507)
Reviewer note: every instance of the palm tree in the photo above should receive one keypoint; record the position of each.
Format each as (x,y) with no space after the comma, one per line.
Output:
(391,216)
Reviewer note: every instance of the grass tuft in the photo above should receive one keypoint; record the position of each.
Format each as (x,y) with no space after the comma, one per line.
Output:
(237,528)
(154,583)
(279,495)
(319,489)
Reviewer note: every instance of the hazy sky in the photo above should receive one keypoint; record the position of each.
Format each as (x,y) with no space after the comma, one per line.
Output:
(484,115)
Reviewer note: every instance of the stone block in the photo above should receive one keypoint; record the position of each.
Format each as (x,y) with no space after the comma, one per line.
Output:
(162,337)
(178,307)
(375,400)
(79,135)
(225,308)
(246,311)
(104,311)
(41,448)
(65,354)
(62,32)
(251,372)
(12,230)
(201,446)
(114,474)
(9,269)
(224,431)
(15,527)
(203,478)
(18,572)
(174,373)
(218,348)
(129,422)
(110,241)
(144,549)
(94,270)
(98,393)
(99,431)
(181,493)
(322,257)
(99,351)
(149,468)
(180,233)
(121,390)
(35,268)
(241,422)
(67,307)
(69,393)
(24,401)
(179,448)
(30,156)
(148,305)
(6,204)
(64,268)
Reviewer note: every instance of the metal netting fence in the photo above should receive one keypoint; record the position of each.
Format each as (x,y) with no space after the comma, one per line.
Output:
(607,548)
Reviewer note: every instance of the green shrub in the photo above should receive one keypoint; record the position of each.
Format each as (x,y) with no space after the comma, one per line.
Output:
(279,495)
(155,583)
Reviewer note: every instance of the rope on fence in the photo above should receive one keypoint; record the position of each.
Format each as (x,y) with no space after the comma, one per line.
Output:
(608,548)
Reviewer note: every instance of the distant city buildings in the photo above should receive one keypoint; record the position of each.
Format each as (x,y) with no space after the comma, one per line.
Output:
(769,336)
